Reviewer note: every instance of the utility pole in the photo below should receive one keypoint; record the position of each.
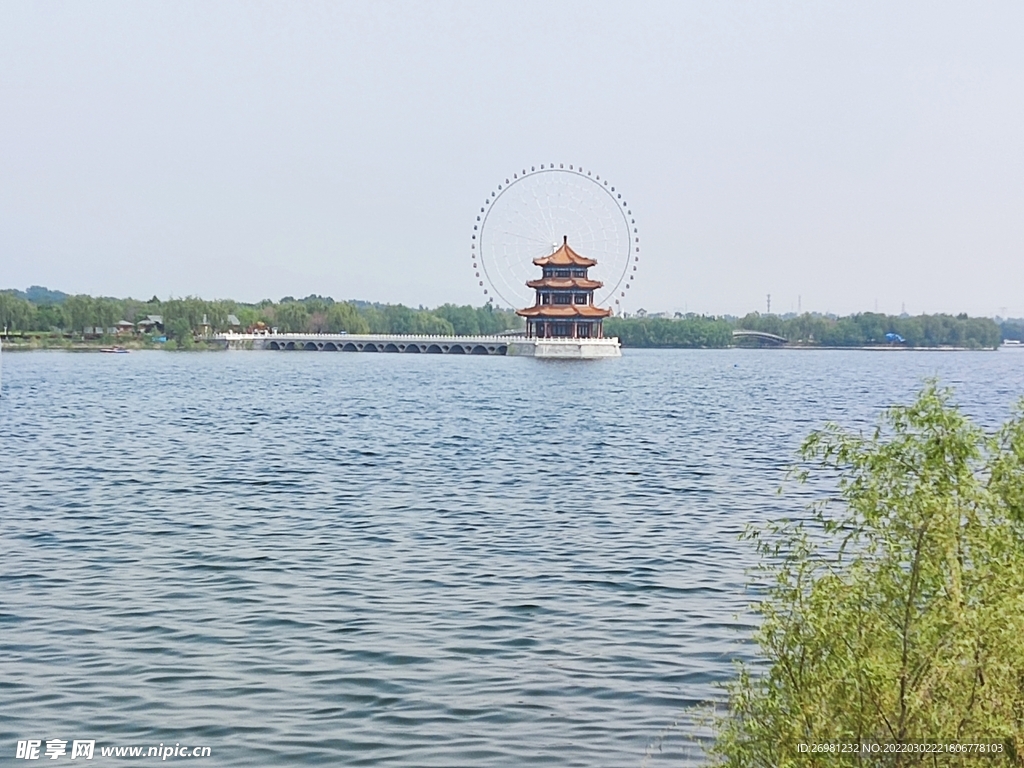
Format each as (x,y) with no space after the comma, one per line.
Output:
(769,303)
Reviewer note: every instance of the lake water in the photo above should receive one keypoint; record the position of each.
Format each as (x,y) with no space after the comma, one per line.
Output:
(403,560)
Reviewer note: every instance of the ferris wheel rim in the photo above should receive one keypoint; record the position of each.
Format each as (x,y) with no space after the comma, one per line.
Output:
(632,252)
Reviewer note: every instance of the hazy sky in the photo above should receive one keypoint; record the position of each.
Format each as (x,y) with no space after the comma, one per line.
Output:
(844,153)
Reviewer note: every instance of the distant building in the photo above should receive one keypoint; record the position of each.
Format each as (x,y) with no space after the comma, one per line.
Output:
(151,323)
(234,323)
(125,328)
(564,305)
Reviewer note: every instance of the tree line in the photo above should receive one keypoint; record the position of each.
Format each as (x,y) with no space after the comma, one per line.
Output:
(864,329)
(870,328)
(182,318)
(692,332)
(43,311)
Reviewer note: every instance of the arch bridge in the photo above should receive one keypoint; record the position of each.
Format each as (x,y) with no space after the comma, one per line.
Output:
(344,342)
(761,337)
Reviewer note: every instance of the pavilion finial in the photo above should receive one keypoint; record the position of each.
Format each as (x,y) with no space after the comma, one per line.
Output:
(565,239)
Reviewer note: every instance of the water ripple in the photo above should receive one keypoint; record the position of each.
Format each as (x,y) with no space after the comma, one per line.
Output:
(403,560)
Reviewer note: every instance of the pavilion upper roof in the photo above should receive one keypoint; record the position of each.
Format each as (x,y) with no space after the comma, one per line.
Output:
(565,283)
(564,257)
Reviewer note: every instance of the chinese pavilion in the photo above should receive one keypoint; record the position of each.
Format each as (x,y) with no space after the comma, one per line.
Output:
(564,306)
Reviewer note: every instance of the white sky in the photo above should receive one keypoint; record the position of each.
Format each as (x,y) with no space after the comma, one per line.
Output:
(843,153)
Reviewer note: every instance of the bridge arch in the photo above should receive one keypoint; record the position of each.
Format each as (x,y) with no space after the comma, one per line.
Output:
(760,337)
(349,347)
(434,349)
(390,347)
(412,348)
(456,349)
(370,347)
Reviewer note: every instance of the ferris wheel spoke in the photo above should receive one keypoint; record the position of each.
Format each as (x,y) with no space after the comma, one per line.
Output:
(537,232)
(546,218)
(520,236)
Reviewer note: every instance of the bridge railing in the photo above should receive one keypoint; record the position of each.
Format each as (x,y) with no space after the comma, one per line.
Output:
(359,337)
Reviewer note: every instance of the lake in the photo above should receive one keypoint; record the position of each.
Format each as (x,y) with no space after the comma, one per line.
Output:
(405,560)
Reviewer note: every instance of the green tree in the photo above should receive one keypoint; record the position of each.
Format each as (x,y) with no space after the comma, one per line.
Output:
(180,330)
(478,321)
(897,617)
(399,319)
(343,316)
(375,319)
(188,311)
(107,312)
(463,319)
(50,317)
(16,314)
(689,332)
(292,317)
(429,324)
(80,311)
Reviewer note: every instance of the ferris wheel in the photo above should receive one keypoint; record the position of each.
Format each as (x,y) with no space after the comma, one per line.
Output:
(528,215)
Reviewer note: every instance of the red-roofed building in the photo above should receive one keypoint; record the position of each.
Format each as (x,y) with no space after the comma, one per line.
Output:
(564,305)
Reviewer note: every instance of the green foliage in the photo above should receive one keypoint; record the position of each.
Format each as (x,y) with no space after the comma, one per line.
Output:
(291,317)
(80,312)
(42,310)
(50,317)
(870,328)
(344,316)
(692,331)
(375,319)
(897,616)
(427,323)
(179,329)
(16,314)
(478,321)
(399,319)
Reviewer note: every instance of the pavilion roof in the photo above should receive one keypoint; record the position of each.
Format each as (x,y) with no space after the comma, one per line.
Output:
(563,283)
(564,311)
(564,257)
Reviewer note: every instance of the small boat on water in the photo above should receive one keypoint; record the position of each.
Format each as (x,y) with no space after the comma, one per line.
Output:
(114,350)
